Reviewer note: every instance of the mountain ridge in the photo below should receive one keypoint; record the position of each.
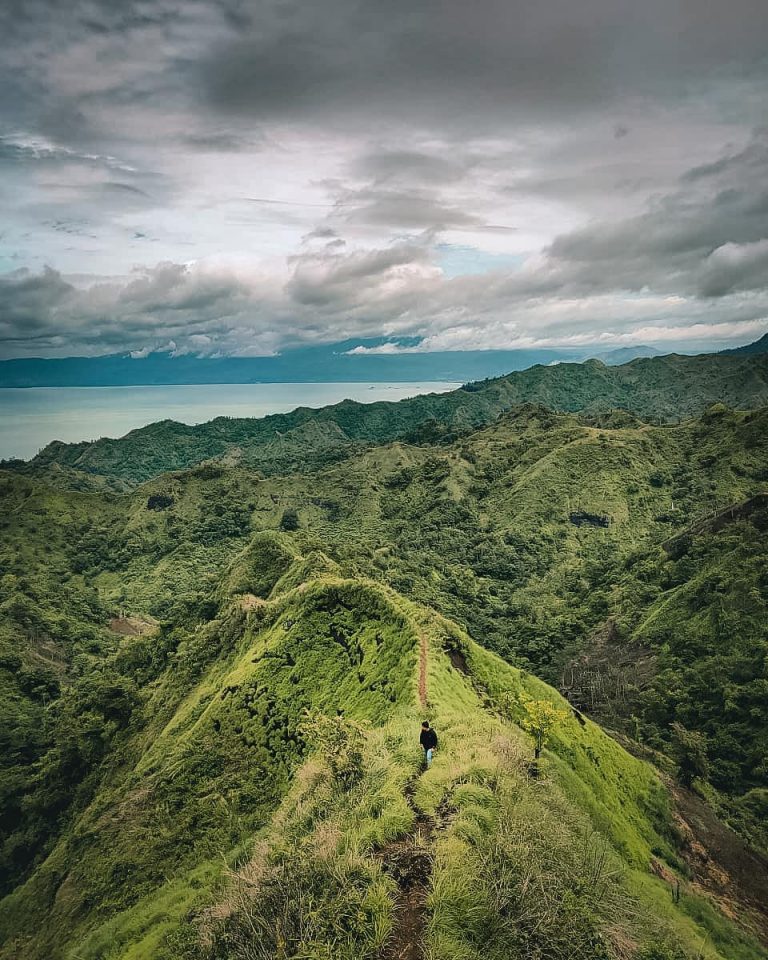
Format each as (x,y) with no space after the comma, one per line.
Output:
(355,361)
(663,388)
(322,364)
(475,700)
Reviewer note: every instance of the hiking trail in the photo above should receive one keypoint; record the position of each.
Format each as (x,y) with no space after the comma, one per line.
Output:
(408,861)
(423,670)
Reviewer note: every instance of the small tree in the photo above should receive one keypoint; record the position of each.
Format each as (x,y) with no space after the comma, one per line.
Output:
(690,751)
(341,742)
(541,716)
(290,519)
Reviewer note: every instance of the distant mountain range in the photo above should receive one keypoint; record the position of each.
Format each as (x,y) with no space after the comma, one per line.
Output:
(625,354)
(758,346)
(327,363)
(666,388)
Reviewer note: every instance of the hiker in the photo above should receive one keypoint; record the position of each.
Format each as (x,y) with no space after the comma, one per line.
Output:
(428,741)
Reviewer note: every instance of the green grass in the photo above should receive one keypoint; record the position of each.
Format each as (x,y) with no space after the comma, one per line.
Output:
(567,852)
(134,769)
(560,861)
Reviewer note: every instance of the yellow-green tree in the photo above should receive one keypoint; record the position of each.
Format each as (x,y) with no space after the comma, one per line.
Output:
(541,716)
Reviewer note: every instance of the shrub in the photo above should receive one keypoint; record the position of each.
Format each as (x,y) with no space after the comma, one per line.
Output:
(159,501)
(690,751)
(298,903)
(290,519)
(341,743)
(541,717)
(661,951)
(552,892)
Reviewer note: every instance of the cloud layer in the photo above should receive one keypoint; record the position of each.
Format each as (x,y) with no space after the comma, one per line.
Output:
(233,178)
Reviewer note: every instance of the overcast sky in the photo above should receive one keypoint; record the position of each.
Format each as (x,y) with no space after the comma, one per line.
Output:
(232,177)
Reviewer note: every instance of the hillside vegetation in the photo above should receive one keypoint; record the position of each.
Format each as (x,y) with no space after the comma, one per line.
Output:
(657,388)
(216,829)
(211,686)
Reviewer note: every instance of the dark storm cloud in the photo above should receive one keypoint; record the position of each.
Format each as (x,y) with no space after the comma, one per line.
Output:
(456,63)
(29,301)
(676,242)
(167,301)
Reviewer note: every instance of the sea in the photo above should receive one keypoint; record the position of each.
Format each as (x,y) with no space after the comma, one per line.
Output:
(31,417)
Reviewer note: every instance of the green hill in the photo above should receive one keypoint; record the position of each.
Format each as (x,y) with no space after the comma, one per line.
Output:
(164,794)
(223,826)
(664,388)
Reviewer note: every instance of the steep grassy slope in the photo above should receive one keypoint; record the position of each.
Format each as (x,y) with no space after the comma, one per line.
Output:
(211,772)
(707,631)
(209,748)
(662,388)
(541,535)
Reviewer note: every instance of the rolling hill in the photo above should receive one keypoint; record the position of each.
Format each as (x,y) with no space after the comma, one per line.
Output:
(657,388)
(211,686)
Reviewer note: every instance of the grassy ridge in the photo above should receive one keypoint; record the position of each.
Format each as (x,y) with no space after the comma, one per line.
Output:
(558,864)
(211,749)
(480,530)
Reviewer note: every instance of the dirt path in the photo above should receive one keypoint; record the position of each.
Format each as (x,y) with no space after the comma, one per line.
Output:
(423,670)
(409,862)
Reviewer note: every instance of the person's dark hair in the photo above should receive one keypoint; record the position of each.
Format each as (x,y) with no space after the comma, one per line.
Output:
(425,724)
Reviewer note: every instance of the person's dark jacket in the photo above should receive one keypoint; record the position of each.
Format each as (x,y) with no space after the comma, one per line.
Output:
(428,739)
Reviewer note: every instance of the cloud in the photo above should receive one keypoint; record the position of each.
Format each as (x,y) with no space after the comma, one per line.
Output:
(22,148)
(732,267)
(398,291)
(212,142)
(389,349)
(456,65)
(410,209)
(471,175)
(362,280)
(387,165)
(191,305)
(31,302)
(692,264)
(701,238)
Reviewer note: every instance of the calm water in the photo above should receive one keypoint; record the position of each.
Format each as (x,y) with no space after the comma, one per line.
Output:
(33,416)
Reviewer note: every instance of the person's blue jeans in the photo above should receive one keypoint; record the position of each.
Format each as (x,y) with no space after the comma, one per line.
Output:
(429,756)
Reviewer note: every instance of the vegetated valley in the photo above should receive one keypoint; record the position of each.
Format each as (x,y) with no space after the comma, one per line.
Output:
(213,672)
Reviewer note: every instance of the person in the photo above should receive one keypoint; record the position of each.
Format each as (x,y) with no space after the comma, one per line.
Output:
(428,741)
